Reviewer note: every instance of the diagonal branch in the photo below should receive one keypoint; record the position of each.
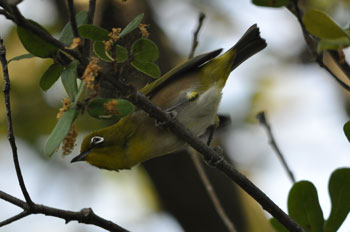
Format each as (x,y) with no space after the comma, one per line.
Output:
(86,216)
(14,218)
(11,137)
(312,44)
(141,101)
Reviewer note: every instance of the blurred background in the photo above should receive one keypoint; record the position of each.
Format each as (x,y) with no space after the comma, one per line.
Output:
(304,105)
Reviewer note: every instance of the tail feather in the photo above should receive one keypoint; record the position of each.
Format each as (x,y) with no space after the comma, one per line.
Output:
(249,44)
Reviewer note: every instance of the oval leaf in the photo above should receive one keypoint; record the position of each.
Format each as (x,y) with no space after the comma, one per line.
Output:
(109,108)
(149,68)
(92,32)
(304,207)
(346,129)
(144,50)
(271,3)
(50,76)
(321,25)
(21,57)
(60,131)
(333,44)
(121,54)
(99,50)
(34,43)
(339,191)
(66,35)
(69,80)
(131,26)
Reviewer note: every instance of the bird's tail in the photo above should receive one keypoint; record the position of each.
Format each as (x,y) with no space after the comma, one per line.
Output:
(249,44)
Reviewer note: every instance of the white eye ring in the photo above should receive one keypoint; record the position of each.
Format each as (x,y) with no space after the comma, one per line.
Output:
(96,140)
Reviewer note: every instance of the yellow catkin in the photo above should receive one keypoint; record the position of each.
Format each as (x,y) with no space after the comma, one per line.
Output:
(91,73)
(113,38)
(143,29)
(111,107)
(76,43)
(64,108)
(68,142)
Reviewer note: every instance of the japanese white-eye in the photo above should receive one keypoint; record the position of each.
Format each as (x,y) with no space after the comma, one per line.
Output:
(192,90)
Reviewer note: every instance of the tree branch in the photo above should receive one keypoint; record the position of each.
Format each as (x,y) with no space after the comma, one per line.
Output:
(14,218)
(263,121)
(86,216)
(312,44)
(91,14)
(141,101)
(11,137)
(195,34)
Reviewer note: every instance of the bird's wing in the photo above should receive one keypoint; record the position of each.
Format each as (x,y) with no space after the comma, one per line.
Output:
(189,65)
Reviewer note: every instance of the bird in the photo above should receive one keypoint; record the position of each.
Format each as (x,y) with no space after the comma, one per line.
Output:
(191,91)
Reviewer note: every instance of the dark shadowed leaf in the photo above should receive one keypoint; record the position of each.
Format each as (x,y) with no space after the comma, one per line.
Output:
(34,43)
(271,3)
(144,50)
(50,76)
(321,25)
(346,129)
(99,50)
(304,207)
(109,108)
(66,35)
(21,57)
(121,53)
(92,32)
(69,80)
(131,26)
(60,131)
(277,225)
(149,68)
(339,191)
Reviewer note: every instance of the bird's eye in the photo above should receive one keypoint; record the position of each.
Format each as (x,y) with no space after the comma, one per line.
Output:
(96,140)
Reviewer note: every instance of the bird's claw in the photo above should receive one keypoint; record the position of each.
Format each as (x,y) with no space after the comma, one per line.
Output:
(215,161)
(172,114)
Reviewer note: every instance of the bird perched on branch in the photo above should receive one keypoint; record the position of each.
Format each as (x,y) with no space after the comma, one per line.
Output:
(191,91)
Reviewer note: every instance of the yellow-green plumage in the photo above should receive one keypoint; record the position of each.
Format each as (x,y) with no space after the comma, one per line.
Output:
(192,90)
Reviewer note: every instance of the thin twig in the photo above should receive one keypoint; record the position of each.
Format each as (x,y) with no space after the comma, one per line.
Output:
(196,159)
(141,101)
(72,18)
(86,216)
(91,14)
(195,34)
(11,137)
(263,121)
(14,218)
(211,192)
(312,44)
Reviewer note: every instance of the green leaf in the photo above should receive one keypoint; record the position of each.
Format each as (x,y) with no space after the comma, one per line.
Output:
(99,50)
(118,108)
(69,80)
(277,225)
(149,68)
(271,3)
(339,191)
(21,57)
(333,44)
(34,43)
(92,32)
(304,207)
(60,131)
(144,50)
(121,53)
(66,35)
(131,26)
(321,25)
(50,76)
(346,129)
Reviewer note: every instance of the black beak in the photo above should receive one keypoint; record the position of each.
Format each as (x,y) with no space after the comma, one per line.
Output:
(81,156)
